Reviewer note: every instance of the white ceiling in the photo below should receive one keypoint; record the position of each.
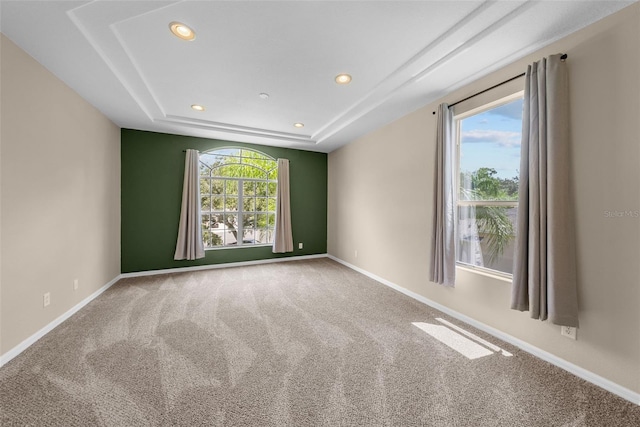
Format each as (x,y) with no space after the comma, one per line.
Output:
(121,57)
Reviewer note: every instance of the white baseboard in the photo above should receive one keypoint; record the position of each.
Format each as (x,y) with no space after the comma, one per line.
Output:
(576,370)
(225,265)
(5,358)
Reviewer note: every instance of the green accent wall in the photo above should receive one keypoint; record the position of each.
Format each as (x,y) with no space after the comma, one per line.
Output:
(152,174)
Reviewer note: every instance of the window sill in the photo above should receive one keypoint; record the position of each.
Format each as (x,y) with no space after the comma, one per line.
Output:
(506,278)
(265,245)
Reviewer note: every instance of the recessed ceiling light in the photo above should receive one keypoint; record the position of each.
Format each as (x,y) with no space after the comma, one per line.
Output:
(343,79)
(182,31)
(299,125)
(197,107)
(264,95)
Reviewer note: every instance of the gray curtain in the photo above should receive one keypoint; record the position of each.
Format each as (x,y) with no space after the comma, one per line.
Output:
(190,245)
(443,251)
(544,273)
(283,239)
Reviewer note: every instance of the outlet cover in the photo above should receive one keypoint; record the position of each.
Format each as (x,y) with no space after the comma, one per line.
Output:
(568,331)
(75,284)
(46,299)
(300,245)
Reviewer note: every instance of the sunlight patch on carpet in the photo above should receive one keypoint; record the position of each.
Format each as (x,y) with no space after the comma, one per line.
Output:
(475,337)
(463,345)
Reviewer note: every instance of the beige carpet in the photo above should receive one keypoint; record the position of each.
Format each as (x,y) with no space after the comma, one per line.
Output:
(300,343)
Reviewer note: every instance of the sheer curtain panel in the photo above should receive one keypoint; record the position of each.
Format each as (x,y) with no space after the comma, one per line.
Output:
(190,245)
(544,273)
(443,251)
(283,239)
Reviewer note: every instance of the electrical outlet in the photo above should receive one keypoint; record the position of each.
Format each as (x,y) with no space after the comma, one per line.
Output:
(356,253)
(568,331)
(300,245)
(75,284)
(46,299)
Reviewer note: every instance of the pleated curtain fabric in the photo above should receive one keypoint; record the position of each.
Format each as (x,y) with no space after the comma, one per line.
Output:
(190,245)
(443,251)
(544,273)
(283,238)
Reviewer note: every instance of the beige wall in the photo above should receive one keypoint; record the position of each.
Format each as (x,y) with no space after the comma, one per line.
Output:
(381,187)
(60,197)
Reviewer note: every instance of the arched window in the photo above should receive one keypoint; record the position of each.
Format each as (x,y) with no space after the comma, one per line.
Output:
(238,197)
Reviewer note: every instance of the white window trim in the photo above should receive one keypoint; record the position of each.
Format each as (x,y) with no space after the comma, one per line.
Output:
(240,211)
(457,120)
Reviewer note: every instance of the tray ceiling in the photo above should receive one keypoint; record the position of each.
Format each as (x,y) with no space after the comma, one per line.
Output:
(121,57)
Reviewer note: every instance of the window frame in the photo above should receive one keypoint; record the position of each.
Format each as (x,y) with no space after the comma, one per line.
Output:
(240,211)
(457,120)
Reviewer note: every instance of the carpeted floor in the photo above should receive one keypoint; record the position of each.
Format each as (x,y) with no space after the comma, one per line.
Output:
(300,343)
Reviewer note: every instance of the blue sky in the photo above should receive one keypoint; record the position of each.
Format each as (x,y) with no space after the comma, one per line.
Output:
(492,139)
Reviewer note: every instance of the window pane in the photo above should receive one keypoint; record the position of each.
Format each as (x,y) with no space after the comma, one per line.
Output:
(249,237)
(218,203)
(261,221)
(217,186)
(210,233)
(272,205)
(248,221)
(205,187)
(249,188)
(273,188)
(230,227)
(231,204)
(490,153)
(229,220)
(264,236)
(248,204)
(206,224)
(269,236)
(206,204)
(216,238)
(261,188)
(486,236)
(230,237)
(231,187)
(272,220)
(261,204)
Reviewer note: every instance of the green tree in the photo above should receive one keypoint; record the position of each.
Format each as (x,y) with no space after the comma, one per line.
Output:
(510,186)
(486,185)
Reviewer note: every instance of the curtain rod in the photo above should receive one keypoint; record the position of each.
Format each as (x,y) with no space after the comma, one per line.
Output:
(562,58)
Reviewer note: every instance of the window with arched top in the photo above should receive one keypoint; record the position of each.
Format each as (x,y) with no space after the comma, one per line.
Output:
(238,197)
